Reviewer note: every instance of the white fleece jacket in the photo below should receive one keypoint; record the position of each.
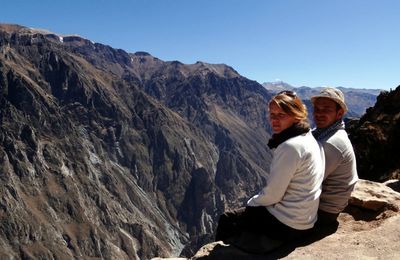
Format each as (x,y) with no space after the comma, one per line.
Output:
(294,182)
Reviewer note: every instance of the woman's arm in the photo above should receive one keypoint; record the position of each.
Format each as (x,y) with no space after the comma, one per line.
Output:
(284,165)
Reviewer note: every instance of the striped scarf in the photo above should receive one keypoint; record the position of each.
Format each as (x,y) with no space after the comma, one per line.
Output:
(324,133)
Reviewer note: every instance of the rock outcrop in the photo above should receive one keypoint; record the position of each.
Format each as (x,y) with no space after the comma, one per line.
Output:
(376,139)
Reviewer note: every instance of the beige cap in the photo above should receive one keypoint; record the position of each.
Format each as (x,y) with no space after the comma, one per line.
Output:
(334,94)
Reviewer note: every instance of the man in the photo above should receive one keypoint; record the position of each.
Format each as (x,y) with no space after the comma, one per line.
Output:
(340,169)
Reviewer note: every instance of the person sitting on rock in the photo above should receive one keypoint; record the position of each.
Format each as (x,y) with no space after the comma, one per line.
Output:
(340,163)
(286,208)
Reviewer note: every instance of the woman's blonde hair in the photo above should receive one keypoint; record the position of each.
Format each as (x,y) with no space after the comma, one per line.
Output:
(291,104)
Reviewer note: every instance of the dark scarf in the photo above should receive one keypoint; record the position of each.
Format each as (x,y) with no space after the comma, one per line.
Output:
(294,130)
(325,133)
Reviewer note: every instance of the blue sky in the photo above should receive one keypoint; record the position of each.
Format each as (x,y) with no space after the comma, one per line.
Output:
(349,43)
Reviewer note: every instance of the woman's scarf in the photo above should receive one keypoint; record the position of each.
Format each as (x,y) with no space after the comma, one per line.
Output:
(295,130)
(325,133)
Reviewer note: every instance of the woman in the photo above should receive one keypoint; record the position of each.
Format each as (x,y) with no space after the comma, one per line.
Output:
(287,207)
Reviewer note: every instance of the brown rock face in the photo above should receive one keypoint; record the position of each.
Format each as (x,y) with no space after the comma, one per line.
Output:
(376,139)
(120,156)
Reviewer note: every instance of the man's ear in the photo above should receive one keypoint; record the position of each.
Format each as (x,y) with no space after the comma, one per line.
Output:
(339,114)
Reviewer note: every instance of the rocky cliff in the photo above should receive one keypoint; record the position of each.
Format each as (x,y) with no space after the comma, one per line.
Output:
(376,138)
(108,154)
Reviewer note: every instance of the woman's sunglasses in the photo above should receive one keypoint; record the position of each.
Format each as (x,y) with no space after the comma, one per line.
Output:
(289,93)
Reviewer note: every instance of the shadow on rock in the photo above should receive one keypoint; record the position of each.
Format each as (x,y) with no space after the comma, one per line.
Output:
(254,246)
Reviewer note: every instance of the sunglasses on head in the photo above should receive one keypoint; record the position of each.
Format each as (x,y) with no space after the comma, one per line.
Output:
(289,93)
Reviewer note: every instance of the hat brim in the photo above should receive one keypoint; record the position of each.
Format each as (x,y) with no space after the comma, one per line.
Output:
(336,100)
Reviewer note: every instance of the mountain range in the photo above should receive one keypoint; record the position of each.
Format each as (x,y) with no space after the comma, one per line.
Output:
(116,155)
(358,100)
(110,154)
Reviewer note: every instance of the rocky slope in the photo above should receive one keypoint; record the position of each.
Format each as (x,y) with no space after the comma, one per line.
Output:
(376,138)
(107,154)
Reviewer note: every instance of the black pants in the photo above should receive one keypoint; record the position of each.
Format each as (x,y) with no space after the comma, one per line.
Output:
(326,218)
(327,223)
(256,220)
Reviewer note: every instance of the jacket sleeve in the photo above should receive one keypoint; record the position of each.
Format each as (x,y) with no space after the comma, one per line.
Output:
(332,159)
(284,164)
